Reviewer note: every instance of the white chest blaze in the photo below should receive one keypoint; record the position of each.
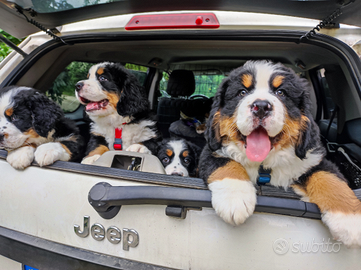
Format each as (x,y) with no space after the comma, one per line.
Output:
(286,166)
(131,133)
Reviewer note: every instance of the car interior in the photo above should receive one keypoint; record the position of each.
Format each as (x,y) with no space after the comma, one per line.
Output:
(174,70)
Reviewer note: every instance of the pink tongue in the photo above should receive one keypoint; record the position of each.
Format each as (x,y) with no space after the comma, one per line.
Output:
(97,105)
(93,106)
(258,145)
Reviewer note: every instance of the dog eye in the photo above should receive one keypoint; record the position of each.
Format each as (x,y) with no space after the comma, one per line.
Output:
(187,160)
(102,79)
(242,93)
(280,92)
(14,118)
(165,160)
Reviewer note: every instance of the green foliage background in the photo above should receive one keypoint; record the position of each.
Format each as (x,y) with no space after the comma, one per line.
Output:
(4,49)
(206,85)
(64,84)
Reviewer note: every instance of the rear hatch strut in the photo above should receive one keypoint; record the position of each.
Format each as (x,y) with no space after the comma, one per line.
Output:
(12,46)
(50,32)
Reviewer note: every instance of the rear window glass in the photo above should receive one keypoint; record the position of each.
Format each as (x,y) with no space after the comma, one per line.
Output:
(45,6)
(206,84)
(139,72)
(63,89)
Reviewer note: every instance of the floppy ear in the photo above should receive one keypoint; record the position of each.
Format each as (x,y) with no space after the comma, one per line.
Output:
(309,137)
(44,113)
(212,133)
(133,101)
(196,150)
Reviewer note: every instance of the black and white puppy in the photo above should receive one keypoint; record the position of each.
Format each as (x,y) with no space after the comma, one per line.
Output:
(261,123)
(116,103)
(179,157)
(33,126)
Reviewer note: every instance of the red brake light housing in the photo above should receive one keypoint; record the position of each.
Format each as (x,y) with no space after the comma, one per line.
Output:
(178,20)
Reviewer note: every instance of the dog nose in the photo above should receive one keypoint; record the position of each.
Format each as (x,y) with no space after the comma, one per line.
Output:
(79,86)
(177,173)
(261,108)
(1,137)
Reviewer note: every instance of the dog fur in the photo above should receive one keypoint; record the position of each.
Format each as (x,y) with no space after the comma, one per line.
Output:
(34,127)
(114,99)
(261,115)
(179,157)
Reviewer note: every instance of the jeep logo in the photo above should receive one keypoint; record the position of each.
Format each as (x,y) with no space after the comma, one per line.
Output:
(113,234)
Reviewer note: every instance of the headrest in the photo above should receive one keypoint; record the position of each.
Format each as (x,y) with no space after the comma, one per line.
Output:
(181,83)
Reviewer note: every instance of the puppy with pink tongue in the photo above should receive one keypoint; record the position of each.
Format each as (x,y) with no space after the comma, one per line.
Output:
(261,131)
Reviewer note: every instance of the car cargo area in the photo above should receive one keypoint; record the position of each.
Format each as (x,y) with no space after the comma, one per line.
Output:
(107,216)
(209,55)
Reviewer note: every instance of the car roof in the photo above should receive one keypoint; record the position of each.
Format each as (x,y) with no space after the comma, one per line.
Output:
(15,14)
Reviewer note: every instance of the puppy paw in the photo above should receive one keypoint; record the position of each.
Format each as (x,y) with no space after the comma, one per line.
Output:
(344,227)
(234,200)
(90,160)
(48,153)
(21,158)
(138,148)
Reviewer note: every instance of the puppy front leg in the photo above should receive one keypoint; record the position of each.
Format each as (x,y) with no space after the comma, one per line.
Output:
(138,147)
(22,157)
(233,194)
(74,146)
(48,153)
(97,146)
(340,208)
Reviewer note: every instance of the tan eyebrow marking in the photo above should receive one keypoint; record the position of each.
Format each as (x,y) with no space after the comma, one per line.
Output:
(9,111)
(169,152)
(277,81)
(247,80)
(100,70)
(185,153)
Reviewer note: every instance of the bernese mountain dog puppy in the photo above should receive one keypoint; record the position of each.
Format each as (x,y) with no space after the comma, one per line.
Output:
(261,127)
(34,127)
(179,157)
(117,105)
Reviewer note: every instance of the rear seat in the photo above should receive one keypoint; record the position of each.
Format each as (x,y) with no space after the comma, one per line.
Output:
(181,86)
(331,135)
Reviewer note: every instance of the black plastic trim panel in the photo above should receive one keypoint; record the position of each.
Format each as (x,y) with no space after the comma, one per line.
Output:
(3,154)
(44,254)
(114,173)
